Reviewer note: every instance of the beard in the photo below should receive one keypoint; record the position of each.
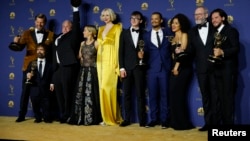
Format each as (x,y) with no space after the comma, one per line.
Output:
(201,21)
(40,55)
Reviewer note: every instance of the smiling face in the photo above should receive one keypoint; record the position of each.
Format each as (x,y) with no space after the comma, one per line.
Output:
(175,26)
(135,20)
(40,23)
(217,20)
(156,21)
(200,15)
(106,17)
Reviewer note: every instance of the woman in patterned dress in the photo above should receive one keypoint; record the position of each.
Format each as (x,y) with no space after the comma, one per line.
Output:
(86,105)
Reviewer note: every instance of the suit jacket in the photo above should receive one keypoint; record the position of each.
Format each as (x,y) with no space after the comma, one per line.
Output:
(69,44)
(40,85)
(29,40)
(201,51)
(128,52)
(231,47)
(155,57)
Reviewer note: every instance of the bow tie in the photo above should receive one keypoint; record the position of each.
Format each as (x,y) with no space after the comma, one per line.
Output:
(136,30)
(41,32)
(202,25)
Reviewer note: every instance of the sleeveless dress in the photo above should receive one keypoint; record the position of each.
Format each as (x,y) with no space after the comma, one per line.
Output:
(86,105)
(178,93)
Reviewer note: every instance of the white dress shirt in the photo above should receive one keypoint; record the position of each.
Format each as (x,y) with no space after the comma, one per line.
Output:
(154,38)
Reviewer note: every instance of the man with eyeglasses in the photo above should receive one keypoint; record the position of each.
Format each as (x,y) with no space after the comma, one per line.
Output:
(201,43)
(131,72)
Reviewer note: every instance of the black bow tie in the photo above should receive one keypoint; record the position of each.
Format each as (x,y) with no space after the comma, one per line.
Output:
(202,25)
(41,32)
(136,30)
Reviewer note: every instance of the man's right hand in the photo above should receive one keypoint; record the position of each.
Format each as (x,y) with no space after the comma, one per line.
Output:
(16,39)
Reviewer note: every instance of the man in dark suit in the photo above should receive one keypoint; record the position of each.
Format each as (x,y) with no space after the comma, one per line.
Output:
(29,39)
(201,43)
(39,74)
(158,56)
(66,63)
(227,71)
(132,74)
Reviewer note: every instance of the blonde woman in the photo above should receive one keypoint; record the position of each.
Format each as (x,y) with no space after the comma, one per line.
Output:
(86,104)
(108,68)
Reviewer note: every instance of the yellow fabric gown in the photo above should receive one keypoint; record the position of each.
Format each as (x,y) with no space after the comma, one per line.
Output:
(108,72)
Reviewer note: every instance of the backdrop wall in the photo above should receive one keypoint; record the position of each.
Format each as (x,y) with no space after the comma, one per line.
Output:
(18,15)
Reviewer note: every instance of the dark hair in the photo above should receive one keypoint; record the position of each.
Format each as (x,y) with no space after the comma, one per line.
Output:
(222,13)
(185,24)
(158,13)
(42,16)
(42,45)
(137,13)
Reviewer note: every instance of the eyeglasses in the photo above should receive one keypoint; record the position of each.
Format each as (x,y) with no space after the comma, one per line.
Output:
(199,14)
(135,19)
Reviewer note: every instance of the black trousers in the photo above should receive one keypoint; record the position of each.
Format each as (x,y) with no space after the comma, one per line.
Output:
(24,100)
(64,79)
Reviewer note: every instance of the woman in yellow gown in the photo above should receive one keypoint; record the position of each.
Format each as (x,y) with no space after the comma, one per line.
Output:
(107,67)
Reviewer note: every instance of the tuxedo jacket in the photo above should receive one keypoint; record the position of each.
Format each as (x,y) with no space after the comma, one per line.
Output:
(157,57)
(69,44)
(199,50)
(40,85)
(230,47)
(28,40)
(128,52)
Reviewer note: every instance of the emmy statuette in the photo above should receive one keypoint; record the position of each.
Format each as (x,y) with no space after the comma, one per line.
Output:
(180,55)
(33,68)
(141,48)
(15,46)
(219,39)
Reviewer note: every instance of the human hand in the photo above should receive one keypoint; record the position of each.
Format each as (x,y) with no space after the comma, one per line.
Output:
(16,39)
(218,52)
(29,75)
(123,74)
(175,72)
(140,54)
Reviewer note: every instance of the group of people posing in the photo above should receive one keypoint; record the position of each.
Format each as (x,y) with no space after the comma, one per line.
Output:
(84,72)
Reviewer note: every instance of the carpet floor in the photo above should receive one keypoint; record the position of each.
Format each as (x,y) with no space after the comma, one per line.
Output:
(30,131)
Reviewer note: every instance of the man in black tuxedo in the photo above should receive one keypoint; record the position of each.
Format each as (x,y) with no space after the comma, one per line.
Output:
(39,74)
(66,63)
(226,72)
(132,74)
(201,43)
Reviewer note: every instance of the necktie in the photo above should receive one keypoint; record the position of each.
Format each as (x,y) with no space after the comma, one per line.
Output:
(158,39)
(136,30)
(41,32)
(40,69)
(202,25)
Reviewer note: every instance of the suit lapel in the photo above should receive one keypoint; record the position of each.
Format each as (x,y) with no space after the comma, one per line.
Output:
(129,35)
(33,35)
(45,35)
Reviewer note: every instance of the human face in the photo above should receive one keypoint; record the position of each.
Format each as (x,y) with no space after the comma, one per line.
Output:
(175,25)
(135,20)
(66,26)
(217,20)
(86,32)
(156,21)
(39,23)
(106,17)
(40,52)
(200,16)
